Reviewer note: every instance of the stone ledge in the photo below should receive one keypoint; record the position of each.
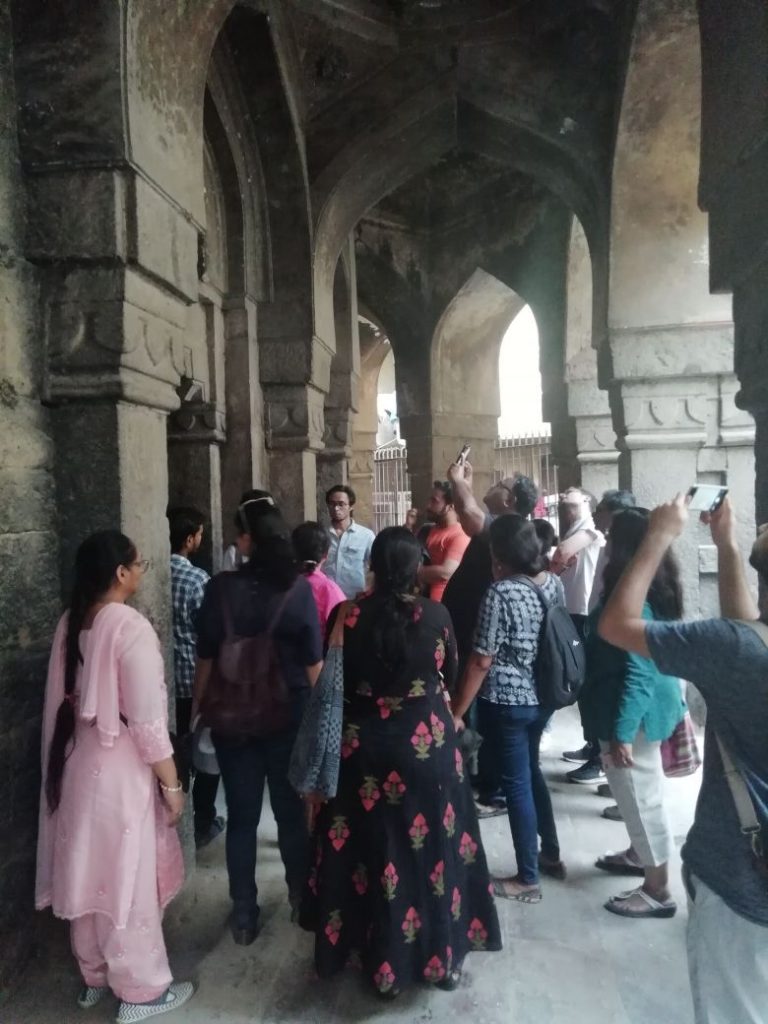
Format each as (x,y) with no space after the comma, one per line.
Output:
(679,350)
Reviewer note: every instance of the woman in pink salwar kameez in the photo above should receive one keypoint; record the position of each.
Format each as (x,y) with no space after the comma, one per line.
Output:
(108,855)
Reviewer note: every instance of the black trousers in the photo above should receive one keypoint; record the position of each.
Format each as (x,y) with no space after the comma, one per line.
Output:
(580,622)
(205,786)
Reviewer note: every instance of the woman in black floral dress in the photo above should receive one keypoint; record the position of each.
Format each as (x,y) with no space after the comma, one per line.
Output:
(399,875)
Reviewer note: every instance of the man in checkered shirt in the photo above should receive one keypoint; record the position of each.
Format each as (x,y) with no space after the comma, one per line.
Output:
(188,584)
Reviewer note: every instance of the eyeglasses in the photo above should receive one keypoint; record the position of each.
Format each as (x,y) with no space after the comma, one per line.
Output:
(142,564)
(338,504)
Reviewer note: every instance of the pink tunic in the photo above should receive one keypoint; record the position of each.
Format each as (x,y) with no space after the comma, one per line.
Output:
(109,836)
(327,594)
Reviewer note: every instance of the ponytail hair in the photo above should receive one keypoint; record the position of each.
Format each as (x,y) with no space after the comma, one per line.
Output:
(96,562)
(272,555)
(395,559)
(311,542)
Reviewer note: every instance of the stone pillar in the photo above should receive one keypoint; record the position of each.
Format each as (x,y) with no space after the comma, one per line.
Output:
(670,341)
(750,313)
(294,437)
(244,461)
(598,456)
(678,429)
(196,432)
(361,467)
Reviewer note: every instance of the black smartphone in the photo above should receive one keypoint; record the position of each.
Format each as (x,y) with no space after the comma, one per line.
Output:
(463,455)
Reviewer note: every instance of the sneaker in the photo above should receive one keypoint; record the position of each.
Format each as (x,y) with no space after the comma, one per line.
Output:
(217,826)
(90,995)
(588,774)
(604,790)
(582,754)
(177,993)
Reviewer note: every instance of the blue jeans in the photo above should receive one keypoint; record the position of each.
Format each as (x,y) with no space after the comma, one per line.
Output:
(245,765)
(516,733)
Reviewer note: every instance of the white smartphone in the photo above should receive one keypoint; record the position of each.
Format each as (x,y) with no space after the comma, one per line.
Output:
(706,497)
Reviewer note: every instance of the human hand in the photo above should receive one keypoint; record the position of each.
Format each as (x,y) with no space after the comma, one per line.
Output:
(621,754)
(722,523)
(174,801)
(458,472)
(411,518)
(459,723)
(669,520)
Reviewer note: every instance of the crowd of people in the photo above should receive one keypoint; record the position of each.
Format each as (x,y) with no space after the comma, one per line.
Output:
(442,623)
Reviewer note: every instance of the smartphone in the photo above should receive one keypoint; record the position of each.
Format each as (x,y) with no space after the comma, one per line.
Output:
(461,458)
(706,497)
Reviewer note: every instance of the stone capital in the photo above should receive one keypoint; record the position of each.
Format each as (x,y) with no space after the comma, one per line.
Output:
(294,418)
(198,421)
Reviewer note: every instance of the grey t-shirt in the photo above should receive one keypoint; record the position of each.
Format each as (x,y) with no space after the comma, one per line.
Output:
(728,663)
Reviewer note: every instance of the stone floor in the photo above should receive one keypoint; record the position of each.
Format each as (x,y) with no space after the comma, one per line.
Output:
(565,959)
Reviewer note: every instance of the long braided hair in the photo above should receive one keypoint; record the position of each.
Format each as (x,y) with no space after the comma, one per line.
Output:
(96,563)
(395,559)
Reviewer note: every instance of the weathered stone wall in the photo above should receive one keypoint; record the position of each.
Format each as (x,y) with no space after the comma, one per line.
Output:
(29,577)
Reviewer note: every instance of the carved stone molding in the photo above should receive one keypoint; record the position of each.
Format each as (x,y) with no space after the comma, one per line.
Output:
(198,422)
(294,418)
(669,413)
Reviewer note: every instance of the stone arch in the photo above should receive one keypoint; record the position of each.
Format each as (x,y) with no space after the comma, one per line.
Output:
(431,125)
(670,341)
(464,372)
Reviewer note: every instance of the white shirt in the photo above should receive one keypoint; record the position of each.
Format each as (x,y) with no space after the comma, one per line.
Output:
(579,577)
(349,558)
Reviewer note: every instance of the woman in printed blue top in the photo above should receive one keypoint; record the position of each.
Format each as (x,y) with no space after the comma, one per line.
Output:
(631,707)
(501,669)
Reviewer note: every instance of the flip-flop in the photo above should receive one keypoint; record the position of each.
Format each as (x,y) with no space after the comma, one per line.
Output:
(620,865)
(528,896)
(618,905)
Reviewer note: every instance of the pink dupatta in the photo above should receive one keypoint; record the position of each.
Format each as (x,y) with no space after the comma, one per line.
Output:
(110,824)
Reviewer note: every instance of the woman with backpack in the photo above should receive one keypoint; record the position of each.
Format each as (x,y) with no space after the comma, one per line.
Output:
(631,707)
(501,670)
(259,651)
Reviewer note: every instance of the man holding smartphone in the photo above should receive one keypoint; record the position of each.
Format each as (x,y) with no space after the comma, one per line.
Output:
(725,867)
(446,542)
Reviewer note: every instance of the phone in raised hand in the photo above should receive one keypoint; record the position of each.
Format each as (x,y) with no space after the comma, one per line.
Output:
(706,497)
(463,455)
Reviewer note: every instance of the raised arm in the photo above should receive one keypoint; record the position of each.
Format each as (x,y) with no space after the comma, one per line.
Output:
(622,623)
(736,600)
(468,509)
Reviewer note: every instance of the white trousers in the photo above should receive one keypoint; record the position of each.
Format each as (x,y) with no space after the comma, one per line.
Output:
(727,962)
(639,792)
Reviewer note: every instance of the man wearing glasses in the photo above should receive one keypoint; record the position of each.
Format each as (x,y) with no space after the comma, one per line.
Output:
(350,552)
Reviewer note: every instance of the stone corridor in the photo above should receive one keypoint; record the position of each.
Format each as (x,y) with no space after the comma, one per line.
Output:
(565,960)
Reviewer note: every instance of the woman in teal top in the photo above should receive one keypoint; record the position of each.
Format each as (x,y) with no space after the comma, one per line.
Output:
(631,707)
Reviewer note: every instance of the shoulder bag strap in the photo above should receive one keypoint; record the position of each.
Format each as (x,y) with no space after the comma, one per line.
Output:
(745,809)
(336,638)
(544,601)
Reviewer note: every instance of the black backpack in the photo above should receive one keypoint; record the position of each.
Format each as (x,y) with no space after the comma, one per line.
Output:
(560,664)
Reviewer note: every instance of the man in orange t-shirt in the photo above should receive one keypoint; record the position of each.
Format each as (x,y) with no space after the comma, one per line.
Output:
(446,542)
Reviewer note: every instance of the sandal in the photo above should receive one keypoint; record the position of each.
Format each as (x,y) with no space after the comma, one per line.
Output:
(524,896)
(619,864)
(653,907)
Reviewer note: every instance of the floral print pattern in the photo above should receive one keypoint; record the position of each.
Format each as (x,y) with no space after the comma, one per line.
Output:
(400,882)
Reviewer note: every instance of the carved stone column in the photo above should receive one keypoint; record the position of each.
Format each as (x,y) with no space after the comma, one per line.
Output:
(680,425)
(598,456)
(196,432)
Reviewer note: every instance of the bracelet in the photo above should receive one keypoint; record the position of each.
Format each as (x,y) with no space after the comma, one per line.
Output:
(170,789)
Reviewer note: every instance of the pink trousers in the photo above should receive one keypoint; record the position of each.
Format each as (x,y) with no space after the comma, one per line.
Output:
(131,961)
